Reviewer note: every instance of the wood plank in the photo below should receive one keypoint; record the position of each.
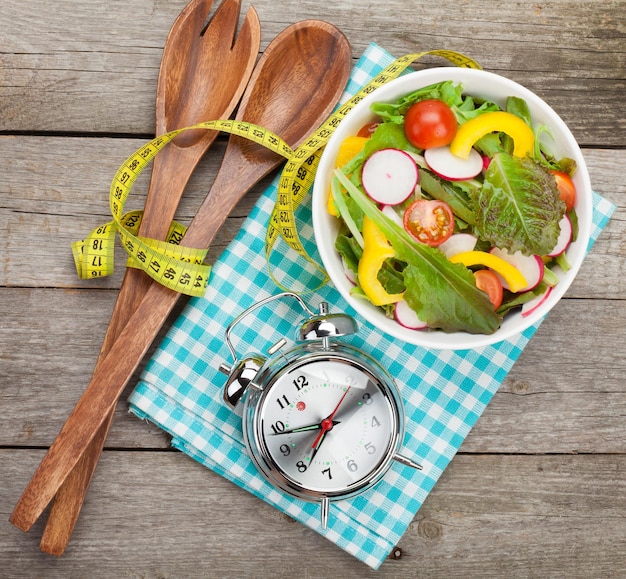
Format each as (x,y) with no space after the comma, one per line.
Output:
(93,67)
(161,514)
(50,183)
(566,393)
(46,361)
(538,487)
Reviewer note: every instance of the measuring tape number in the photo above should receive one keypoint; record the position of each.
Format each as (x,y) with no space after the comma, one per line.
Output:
(177,267)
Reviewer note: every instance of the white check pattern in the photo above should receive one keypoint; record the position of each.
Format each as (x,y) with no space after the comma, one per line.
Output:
(444,392)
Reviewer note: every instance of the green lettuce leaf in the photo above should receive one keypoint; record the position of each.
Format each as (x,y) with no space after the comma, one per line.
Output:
(350,250)
(519,107)
(442,293)
(464,107)
(386,136)
(518,207)
(447,91)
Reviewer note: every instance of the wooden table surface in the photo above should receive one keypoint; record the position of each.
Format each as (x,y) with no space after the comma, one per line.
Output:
(538,488)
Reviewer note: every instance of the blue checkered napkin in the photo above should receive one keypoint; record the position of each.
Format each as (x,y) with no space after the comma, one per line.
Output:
(444,392)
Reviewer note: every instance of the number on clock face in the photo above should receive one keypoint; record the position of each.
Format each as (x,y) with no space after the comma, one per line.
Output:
(327,425)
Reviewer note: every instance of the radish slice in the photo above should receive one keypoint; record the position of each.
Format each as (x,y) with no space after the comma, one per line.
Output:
(447,165)
(531,267)
(458,243)
(407,317)
(564,237)
(349,273)
(390,212)
(530,306)
(389,176)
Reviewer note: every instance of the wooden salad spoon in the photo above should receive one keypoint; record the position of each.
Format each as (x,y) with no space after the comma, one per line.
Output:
(204,71)
(294,87)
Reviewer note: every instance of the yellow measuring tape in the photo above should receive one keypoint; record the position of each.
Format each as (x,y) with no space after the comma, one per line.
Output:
(172,265)
(182,269)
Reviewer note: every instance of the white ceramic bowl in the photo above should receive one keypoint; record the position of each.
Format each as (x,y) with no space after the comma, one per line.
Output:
(478,83)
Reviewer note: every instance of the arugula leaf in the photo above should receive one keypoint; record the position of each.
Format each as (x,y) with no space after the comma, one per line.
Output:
(519,107)
(518,207)
(442,293)
(350,250)
(439,189)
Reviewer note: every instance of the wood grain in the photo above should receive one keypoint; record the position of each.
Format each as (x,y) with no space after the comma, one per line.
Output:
(538,487)
(43,209)
(564,51)
(543,516)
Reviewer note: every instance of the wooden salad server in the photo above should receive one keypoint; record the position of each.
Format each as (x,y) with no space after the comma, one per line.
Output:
(294,87)
(204,71)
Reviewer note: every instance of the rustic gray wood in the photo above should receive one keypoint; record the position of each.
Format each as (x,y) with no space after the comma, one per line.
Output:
(538,487)
(162,515)
(552,401)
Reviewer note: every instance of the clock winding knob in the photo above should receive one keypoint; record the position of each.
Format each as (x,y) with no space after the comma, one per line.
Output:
(325,325)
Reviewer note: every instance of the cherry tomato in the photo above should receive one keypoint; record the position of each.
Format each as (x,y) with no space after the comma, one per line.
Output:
(430,123)
(368,129)
(566,187)
(488,281)
(430,222)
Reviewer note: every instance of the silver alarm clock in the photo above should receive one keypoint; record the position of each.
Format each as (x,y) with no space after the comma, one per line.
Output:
(322,420)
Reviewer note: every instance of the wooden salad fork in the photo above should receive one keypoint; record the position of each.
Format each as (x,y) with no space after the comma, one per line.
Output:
(204,71)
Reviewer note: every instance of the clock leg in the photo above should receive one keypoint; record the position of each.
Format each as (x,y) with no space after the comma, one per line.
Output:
(406,461)
(324,509)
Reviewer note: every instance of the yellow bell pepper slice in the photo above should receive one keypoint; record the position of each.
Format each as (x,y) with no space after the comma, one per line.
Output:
(513,276)
(376,249)
(348,149)
(501,121)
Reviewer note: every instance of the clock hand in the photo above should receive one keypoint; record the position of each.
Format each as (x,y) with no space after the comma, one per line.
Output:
(308,428)
(315,426)
(328,423)
(320,440)
(316,448)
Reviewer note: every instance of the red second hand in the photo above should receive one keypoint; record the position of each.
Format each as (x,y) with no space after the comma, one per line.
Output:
(327,423)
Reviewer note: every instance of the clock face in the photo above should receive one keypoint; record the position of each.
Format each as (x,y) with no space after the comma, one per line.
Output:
(327,425)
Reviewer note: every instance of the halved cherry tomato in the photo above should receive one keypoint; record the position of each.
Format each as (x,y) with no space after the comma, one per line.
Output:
(430,123)
(566,187)
(430,222)
(487,281)
(368,129)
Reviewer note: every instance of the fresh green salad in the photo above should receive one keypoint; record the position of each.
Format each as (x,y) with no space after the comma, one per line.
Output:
(453,212)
